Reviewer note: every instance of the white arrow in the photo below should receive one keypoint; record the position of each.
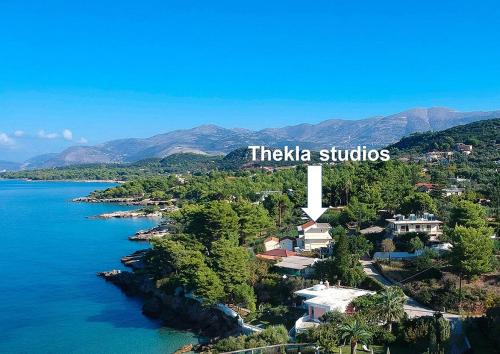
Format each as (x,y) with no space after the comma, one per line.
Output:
(314,193)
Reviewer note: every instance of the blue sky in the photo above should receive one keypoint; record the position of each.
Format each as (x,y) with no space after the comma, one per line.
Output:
(138,68)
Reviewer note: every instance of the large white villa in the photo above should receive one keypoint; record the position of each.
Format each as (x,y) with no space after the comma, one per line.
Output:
(313,236)
(427,223)
(322,298)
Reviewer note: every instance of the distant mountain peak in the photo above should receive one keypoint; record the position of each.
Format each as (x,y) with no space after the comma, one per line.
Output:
(212,139)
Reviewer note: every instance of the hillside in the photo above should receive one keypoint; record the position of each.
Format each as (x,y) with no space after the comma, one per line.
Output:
(213,140)
(484,136)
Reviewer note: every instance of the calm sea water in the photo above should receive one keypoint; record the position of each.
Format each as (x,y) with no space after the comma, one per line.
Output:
(51,300)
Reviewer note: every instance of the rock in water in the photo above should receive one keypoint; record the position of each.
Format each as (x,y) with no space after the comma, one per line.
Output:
(184,349)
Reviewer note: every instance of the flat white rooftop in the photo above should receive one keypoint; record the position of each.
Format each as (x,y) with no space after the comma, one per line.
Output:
(331,298)
(416,221)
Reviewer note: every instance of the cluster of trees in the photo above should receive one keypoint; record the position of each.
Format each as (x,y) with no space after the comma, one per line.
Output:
(483,135)
(240,221)
(101,172)
(151,187)
(217,274)
(427,333)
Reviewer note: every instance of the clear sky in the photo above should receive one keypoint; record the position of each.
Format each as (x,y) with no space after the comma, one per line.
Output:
(111,69)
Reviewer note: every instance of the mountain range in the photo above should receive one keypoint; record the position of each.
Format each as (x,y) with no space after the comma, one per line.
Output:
(372,132)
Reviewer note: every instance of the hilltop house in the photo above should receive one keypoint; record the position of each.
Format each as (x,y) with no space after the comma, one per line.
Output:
(453,190)
(322,298)
(438,155)
(313,235)
(427,224)
(464,148)
(271,243)
(425,187)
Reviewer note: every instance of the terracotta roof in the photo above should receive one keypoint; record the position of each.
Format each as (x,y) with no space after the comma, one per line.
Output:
(272,238)
(276,253)
(280,253)
(424,184)
(307,224)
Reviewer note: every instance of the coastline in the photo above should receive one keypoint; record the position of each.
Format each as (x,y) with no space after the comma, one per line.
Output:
(178,311)
(79,310)
(64,180)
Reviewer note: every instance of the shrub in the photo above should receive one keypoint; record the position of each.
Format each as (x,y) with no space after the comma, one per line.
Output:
(269,336)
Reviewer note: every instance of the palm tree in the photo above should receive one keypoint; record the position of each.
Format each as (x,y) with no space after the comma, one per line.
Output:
(356,332)
(391,308)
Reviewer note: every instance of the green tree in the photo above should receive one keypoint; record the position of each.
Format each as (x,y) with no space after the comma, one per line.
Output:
(391,302)
(252,220)
(208,286)
(345,265)
(416,244)
(418,203)
(388,245)
(361,212)
(244,296)
(472,250)
(279,207)
(468,214)
(231,263)
(355,332)
(359,245)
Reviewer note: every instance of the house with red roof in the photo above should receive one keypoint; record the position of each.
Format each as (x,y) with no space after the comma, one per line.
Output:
(313,235)
(275,254)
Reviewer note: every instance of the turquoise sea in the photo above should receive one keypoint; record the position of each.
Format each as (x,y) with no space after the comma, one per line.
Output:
(51,300)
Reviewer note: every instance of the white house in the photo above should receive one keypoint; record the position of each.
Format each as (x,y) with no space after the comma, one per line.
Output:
(427,223)
(453,190)
(322,298)
(271,243)
(464,148)
(313,236)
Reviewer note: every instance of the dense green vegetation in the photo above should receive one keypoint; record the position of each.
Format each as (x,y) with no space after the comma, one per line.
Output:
(224,212)
(176,163)
(482,135)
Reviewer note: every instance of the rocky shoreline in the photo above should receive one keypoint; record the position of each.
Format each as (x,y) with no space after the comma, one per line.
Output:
(167,204)
(129,214)
(175,311)
(147,235)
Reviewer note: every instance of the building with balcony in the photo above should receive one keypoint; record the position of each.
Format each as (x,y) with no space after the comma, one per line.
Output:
(426,223)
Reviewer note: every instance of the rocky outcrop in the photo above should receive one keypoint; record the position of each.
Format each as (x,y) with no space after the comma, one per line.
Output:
(147,235)
(129,214)
(185,349)
(175,311)
(168,204)
(135,260)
